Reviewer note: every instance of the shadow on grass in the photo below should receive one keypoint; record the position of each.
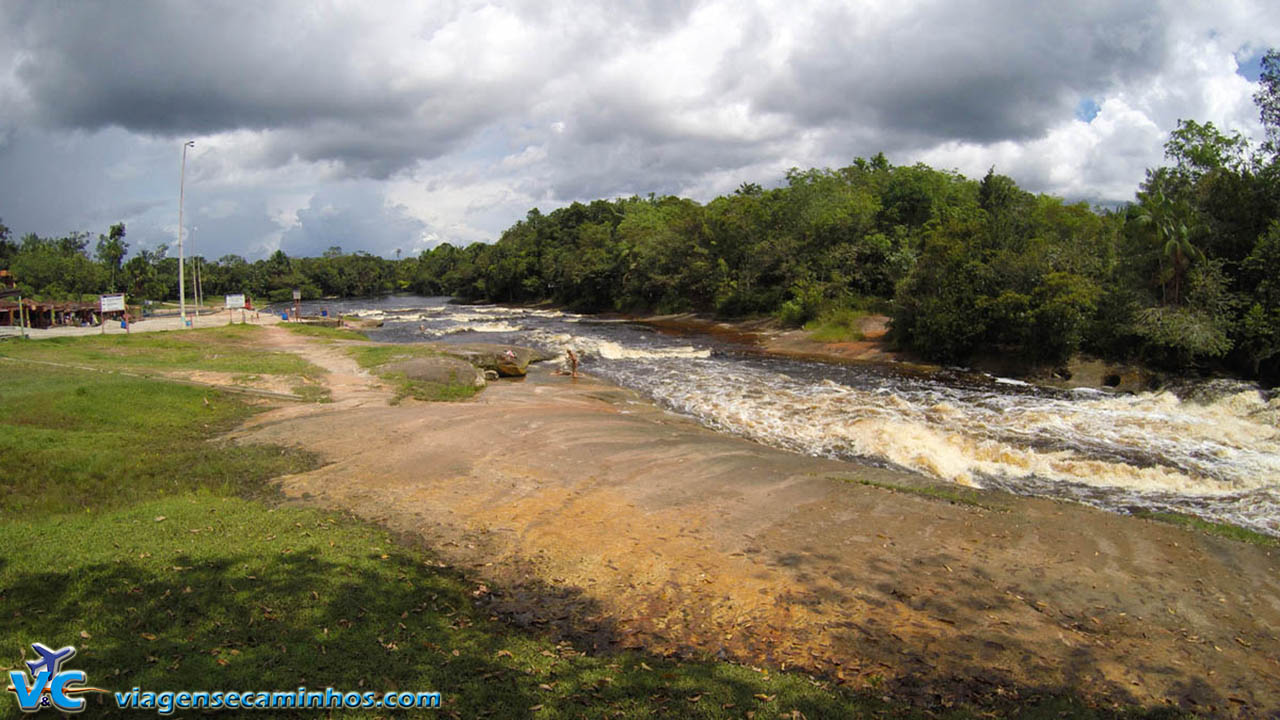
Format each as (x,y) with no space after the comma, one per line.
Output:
(218,594)
(235,624)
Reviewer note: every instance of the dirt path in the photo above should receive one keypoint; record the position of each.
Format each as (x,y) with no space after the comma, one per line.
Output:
(610,520)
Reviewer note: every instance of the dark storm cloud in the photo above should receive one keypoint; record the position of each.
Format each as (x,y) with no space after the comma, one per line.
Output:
(324,90)
(354,218)
(1004,70)
(199,68)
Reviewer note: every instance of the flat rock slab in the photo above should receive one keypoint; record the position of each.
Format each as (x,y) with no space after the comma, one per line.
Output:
(607,519)
(444,370)
(506,360)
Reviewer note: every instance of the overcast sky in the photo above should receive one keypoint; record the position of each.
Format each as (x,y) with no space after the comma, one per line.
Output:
(380,126)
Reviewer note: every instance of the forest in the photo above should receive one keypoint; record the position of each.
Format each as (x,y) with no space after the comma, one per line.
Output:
(1185,277)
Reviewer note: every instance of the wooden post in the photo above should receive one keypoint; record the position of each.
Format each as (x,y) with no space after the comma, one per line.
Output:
(22,323)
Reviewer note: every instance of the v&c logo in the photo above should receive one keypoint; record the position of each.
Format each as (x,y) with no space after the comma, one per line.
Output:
(49,685)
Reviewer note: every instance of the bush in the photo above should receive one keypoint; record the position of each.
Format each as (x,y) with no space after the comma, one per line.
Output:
(804,305)
(836,325)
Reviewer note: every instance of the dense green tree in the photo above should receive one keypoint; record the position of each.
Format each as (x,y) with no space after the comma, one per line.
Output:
(111,251)
(1168,221)
(56,269)
(7,248)
(142,279)
(1268,98)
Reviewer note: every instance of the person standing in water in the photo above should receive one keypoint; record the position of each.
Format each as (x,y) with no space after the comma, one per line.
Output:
(573,362)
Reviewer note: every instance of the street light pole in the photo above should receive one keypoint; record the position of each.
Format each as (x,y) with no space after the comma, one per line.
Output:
(196,289)
(182,283)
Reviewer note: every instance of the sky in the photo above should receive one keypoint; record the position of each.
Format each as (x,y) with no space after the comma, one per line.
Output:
(390,127)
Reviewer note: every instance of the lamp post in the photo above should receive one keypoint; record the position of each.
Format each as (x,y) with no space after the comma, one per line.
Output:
(197,291)
(182,283)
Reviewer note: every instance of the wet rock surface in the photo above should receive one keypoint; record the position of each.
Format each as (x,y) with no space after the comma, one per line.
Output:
(611,522)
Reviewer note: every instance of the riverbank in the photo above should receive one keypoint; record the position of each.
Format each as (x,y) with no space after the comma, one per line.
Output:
(619,525)
(767,336)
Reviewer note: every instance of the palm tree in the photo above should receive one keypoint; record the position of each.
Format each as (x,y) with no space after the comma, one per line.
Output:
(1180,252)
(1173,236)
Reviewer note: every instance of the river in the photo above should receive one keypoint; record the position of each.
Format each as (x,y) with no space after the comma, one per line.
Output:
(1209,449)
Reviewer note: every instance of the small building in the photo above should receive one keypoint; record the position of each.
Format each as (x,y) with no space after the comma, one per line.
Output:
(42,314)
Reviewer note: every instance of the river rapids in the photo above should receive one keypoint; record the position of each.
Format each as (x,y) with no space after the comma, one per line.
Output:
(1210,449)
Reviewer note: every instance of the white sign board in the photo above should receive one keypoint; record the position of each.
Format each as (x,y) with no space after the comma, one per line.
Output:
(235,301)
(297,294)
(111,303)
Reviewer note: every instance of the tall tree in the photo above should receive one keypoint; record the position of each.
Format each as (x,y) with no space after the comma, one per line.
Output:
(1169,221)
(111,251)
(7,248)
(1268,98)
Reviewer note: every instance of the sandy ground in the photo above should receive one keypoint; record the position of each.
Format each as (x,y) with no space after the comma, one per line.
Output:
(582,509)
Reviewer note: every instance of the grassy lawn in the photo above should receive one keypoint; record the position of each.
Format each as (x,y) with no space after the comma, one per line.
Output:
(81,441)
(372,356)
(325,333)
(227,348)
(375,357)
(232,349)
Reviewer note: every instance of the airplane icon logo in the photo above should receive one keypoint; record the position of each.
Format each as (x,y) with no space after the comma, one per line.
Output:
(50,685)
(50,660)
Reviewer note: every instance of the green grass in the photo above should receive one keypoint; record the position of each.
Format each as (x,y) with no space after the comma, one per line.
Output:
(77,440)
(373,357)
(840,325)
(1231,532)
(427,391)
(370,357)
(227,348)
(326,333)
(956,496)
